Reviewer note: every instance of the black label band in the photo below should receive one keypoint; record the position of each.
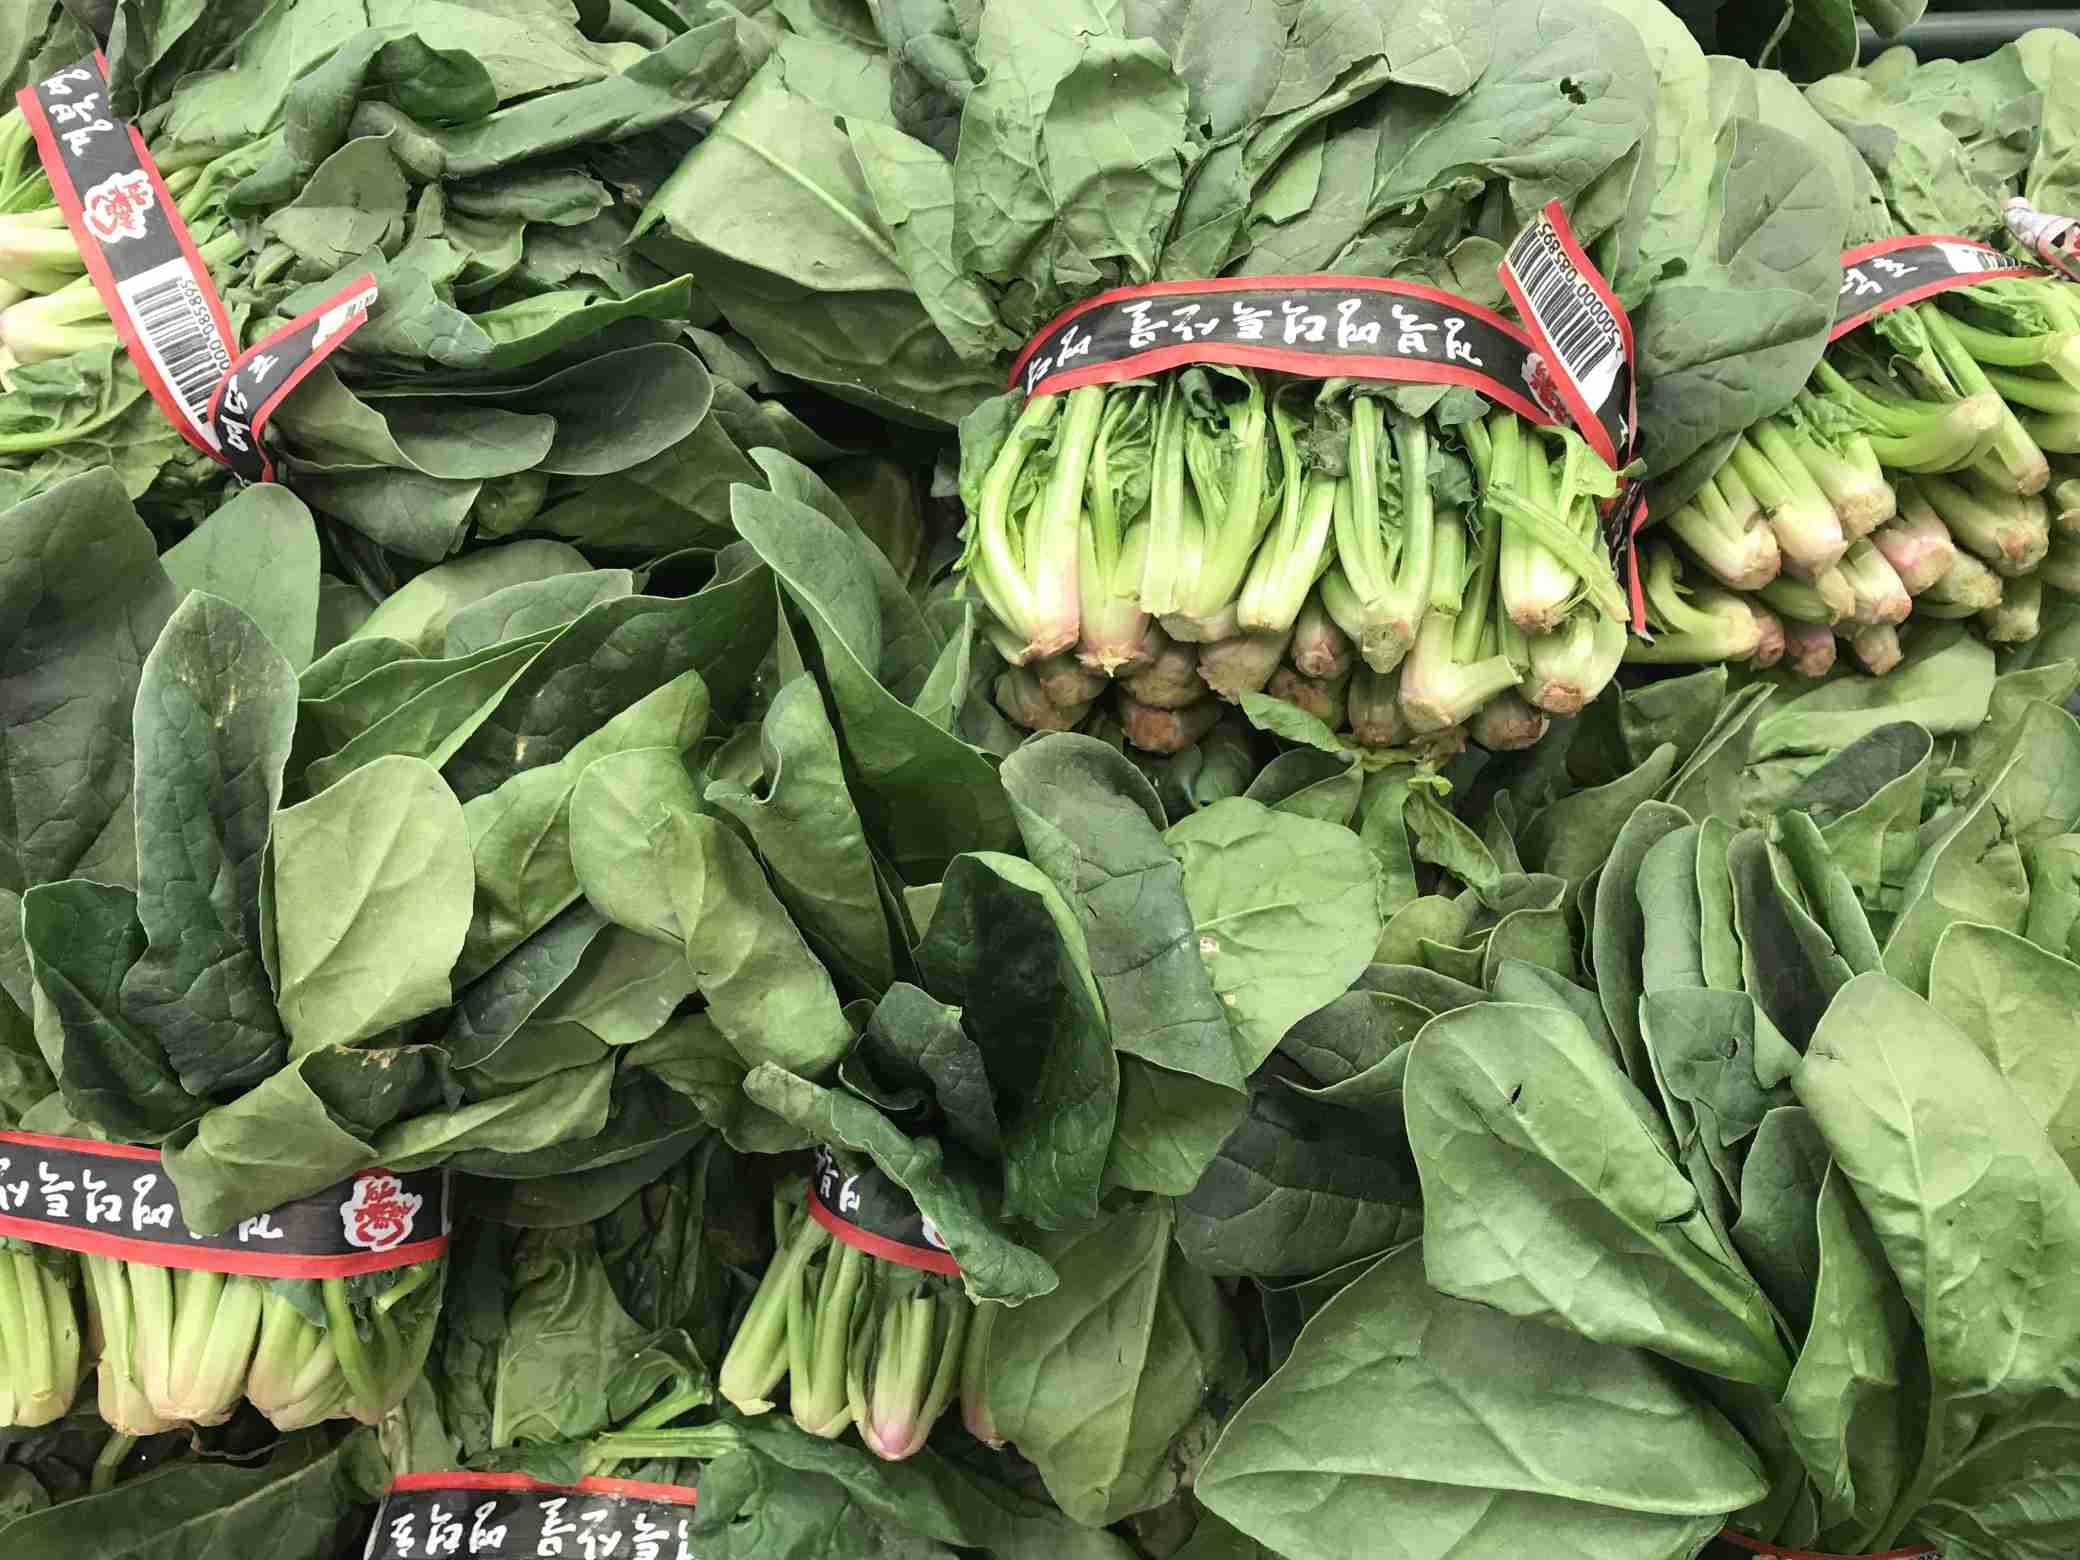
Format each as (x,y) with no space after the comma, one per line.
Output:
(1730,1545)
(1894,272)
(2053,239)
(507,1516)
(116,1200)
(1622,518)
(1572,368)
(155,286)
(267,371)
(1323,327)
(870,1212)
(145,266)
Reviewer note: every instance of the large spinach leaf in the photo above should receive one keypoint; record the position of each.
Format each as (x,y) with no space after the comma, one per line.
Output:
(2012,999)
(1440,1428)
(926,795)
(1547,1194)
(1091,820)
(858,327)
(295,1498)
(372,891)
(809,833)
(1113,1383)
(1299,1188)
(215,709)
(1004,946)
(1286,910)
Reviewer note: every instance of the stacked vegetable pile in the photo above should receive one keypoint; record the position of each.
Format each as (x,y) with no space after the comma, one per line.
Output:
(1402,560)
(607,773)
(1928,467)
(487,870)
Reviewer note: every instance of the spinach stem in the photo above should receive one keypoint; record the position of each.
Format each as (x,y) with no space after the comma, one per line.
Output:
(109,1463)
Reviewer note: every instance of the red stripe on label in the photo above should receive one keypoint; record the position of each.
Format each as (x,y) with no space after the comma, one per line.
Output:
(880,1245)
(634,1489)
(1635,593)
(362,284)
(1886,246)
(365,283)
(81,1145)
(205,1259)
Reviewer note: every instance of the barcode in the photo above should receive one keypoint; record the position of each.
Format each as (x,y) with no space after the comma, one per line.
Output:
(176,322)
(1574,319)
(179,334)
(1966,259)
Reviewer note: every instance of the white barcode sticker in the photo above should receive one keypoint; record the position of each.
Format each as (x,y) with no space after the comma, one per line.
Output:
(156,287)
(1974,259)
(1584,339)
(1584,335)
(177,332)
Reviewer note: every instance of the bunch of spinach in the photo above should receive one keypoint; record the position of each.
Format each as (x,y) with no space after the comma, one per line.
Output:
(564,875)
(1742,1105)
(959,178)
(935,187)
(257,898)
(1926,468)
(525,367)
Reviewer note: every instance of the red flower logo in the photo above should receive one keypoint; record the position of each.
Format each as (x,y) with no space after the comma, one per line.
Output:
(379,1216)
(116,206)
(1544,388)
